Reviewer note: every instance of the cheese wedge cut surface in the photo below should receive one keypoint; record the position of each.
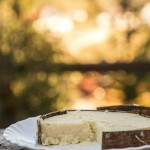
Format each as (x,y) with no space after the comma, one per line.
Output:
(87,126)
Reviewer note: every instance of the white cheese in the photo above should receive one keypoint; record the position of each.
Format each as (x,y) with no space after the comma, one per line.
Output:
(85,126)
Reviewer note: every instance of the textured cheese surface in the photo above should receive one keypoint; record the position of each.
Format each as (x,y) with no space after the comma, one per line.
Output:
(85,126)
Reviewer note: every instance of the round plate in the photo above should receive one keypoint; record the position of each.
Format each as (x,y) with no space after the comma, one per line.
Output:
(23,133)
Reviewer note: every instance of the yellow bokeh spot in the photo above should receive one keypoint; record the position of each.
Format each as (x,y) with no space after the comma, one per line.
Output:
(144,99)
(53,79)
(17,87)
(19,56)
(5,49)
(41,76)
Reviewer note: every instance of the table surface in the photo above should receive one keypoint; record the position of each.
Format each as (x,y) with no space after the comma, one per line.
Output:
(5,145)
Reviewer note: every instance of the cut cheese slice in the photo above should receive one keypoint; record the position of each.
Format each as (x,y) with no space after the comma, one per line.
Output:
(86,126)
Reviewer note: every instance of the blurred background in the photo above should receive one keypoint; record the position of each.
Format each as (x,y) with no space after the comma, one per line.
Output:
(57,54)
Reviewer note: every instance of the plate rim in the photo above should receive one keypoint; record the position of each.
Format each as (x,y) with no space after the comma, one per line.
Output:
(26,144)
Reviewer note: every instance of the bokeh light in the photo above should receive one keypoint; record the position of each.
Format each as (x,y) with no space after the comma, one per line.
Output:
(72,55)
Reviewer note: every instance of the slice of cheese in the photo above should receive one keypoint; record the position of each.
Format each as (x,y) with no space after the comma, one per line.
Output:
(86,126)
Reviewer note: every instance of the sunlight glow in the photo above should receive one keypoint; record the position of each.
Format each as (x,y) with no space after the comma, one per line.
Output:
(145,13)
(80,15)
(76,42)
(53,21)
(104,19)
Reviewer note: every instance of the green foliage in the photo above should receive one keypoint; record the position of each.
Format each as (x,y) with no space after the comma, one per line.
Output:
(28,84)
(26,60)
